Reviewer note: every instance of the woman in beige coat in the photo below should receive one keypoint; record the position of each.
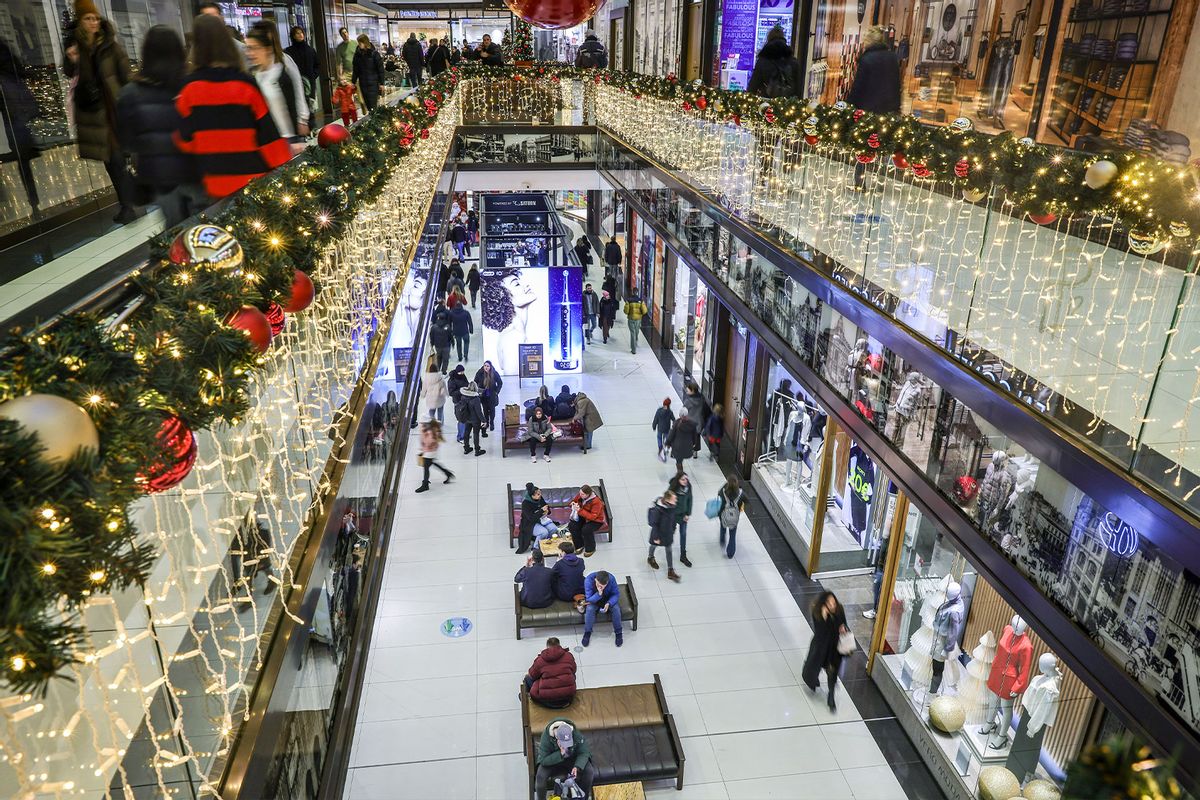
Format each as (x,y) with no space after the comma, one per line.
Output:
(588,416)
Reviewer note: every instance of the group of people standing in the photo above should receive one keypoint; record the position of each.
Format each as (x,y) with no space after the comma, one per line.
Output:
(441,54)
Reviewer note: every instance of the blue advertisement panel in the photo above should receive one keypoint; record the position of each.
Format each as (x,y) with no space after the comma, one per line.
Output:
(566,323)
(739,19)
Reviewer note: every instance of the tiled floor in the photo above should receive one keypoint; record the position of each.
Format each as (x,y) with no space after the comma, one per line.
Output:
(728,641)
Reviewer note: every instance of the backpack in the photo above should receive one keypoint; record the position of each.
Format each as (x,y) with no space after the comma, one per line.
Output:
(780,84)
(586,59)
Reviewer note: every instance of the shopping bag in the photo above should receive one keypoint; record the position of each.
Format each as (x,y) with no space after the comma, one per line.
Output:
(712,508)
(846,643)
(512,414)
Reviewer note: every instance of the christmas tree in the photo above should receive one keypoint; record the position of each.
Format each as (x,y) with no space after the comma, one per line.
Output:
(973,691)
(517,44)
(918,658)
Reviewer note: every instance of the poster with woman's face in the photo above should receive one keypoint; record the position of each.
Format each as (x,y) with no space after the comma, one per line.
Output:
(524,306)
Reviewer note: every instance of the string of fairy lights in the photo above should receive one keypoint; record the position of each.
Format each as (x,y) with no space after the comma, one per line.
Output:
(205,609)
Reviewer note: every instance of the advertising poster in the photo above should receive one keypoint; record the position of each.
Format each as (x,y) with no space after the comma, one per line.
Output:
(532,305)
(773,13)
(739,19)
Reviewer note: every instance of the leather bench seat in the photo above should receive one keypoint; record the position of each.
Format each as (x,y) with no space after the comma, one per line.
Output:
(604,707)
(563,613)
(559,500)
(516,436)
(621,755)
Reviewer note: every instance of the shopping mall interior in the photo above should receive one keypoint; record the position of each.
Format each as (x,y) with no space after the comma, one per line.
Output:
(340,338)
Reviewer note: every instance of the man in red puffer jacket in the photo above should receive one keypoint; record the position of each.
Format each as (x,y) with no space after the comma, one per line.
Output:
(551,679)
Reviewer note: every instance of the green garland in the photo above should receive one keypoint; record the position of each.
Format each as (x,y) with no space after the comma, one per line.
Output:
(65,531)
(1150,196)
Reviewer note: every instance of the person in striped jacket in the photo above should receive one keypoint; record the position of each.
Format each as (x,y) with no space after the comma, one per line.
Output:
(225,122)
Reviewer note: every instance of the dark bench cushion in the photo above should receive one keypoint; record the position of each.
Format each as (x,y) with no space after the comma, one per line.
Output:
(621,755)
(604,707)
(564,613)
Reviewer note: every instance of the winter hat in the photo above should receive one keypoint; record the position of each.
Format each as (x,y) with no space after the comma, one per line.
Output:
(85,7)
(460,369)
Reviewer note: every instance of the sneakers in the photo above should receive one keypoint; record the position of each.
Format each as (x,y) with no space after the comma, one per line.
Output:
(587,638)
(672,575)
(545,458)
(685,561)
(653,564)
(533,459)
(424,487)
(468,450)
(480,452)
(869,613)
(620,640)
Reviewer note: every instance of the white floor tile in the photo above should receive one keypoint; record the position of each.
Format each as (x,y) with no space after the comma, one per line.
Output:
(411,740)
(755,709)
(827,785)
(788,751)
(429,779)
(853,745)
(874,783)
(726,672)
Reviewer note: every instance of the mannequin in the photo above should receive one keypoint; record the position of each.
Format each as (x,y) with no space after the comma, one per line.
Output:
(1008,678)
(994,491)
(947,630)
(1039,710)
(905,407)
(795,446)
(854,363)
(816,444)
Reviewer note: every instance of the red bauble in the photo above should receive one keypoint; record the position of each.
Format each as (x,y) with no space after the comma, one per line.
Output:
(769,116)
(702,102)
(687,106)
(424,133)
(873,141)
(962,168)
(812,140)
(736,119)
(277,318)
(255,325)
(858,114)
(921,171)
(596,80)
(1044,219)
(177,455)
(303,293)
(554,14)
(331,134)
(865,158)
(899,161)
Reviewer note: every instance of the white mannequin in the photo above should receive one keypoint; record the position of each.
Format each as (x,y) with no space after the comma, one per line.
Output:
(905,406)
(860,351)
(999,481)
(999,712)
(1041,698)
(948,622)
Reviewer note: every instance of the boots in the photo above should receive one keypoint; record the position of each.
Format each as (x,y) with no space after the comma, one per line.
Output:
(652,562)
(672,575)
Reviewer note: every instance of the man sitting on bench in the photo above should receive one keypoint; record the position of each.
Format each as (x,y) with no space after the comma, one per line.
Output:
(562,752)
(537,582)
(601,594)
(551,677)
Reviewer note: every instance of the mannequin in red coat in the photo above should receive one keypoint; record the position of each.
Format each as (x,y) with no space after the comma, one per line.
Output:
(1006,681)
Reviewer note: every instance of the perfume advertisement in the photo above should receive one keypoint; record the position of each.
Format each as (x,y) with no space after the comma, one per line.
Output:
(532,305)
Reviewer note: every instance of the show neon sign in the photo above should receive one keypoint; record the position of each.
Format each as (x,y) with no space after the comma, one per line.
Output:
(1117,535)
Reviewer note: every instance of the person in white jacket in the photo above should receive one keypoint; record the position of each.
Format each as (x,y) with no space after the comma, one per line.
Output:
(280,82)
(433,390)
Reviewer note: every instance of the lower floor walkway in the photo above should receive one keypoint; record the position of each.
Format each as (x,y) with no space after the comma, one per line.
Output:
(440,716)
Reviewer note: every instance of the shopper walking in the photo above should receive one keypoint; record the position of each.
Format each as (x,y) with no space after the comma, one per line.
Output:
(431,440)
(608,313)
(733,501)
(458,235)
(592,53)
(661,517)
(438,57)
(681,487)
(441,337)
(583,251)
(94,56)
(225,122)
(714,431)
(469,411)
(414,59)
(462,326)
(591,308)
(280,83)
(684,439)
(828,623)
(587,516)
(538,431)
(344,54)
(776,73)
(489,383)
(455,383)
(664,418)
(473,225)
(473,283)
(305,58)
(601,595)
(368,74)
(612,256)
(146,124)
(693,402)
(588,417)
(433,389)
(635,309)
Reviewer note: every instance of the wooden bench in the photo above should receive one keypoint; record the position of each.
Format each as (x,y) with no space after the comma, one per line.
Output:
(515,437)
(629,730)
(559,500)
(561,613)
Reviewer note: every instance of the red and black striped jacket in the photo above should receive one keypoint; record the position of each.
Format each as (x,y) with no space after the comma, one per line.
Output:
(226,124)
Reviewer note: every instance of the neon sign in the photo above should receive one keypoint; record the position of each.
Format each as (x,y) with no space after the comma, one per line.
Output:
(1117,535)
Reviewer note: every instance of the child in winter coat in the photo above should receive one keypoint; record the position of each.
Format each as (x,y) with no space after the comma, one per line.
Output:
(664,417)
(343,96)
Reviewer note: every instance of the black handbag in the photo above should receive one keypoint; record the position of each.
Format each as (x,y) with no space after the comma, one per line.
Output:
(89,96)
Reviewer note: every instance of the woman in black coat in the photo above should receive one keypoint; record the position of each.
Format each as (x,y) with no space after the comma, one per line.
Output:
(776,73)
(608,309)
(533,509)
(146,121)
(368,72)
(877,80)
(489,382)
(828,623)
